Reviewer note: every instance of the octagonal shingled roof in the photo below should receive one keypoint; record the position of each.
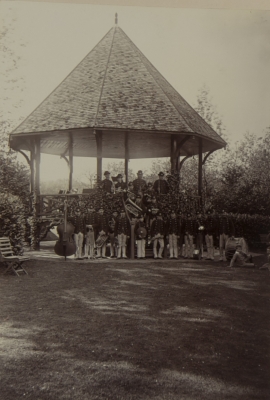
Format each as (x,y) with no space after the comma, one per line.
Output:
(115,88)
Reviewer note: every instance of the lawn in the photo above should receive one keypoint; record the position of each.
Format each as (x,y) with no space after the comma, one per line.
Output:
(134,330)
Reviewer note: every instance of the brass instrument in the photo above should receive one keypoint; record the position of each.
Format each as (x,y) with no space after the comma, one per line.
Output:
(101,240)
(133,208)
(159,236)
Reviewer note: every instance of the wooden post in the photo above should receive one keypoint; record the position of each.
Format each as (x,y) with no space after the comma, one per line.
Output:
(126,155)
(200,171)
(32,172)
(173,152)
(99,154)
(37,166)
(132,240)
(35,182)
(70,149)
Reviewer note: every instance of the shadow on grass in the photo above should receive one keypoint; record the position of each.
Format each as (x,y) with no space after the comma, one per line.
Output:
(91,332)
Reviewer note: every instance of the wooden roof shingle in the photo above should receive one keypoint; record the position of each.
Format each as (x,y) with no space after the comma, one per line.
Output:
(116,87)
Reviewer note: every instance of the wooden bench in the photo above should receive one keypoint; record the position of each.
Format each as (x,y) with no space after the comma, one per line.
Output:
(13,263)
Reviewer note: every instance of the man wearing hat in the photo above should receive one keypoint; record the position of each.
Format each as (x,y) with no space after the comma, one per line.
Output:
(139,202)
(122,230)
(107,184)
(120,186)
(139,183)
(157,232)
(225,230)
(161,186)
(140,236)
(102,230)
(190,230)
(210,233)
(78,222)
(173,230)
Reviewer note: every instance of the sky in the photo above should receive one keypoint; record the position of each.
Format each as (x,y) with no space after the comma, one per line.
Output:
(226,50)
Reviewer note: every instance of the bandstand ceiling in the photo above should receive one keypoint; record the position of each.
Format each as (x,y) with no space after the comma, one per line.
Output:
(116,90)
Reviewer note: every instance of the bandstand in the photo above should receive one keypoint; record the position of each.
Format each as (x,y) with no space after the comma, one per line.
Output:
(114,104)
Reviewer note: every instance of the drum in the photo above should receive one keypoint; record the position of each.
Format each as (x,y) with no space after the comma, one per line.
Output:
(141,232)
(231,244)
(197,254)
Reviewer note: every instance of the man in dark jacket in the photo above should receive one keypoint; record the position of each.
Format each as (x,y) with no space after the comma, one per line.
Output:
(107,184)
(157,235)
(190,230)
(139,184)
(173,232)
(225,230)
(140,236)
(78,222)
(210,233)
(161,186)
(122,230)
(102,230)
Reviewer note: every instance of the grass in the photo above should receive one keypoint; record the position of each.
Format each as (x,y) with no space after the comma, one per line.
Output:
(108,330)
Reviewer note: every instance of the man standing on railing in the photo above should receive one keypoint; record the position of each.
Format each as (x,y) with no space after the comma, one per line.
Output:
(161,186)
(139,183)
(107,184)
(102,229)
(78,222)
(122,230)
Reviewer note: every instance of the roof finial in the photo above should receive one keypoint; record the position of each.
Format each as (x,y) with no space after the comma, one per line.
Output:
(116,18)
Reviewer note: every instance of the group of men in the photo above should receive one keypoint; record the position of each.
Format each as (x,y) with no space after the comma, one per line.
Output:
(183,233)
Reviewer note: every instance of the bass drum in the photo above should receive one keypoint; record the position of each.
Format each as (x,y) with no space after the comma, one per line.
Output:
(231,244)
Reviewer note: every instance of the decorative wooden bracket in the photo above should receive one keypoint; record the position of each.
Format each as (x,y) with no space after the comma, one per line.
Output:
(182,162)
(207,155)
(25,156)
(180,144)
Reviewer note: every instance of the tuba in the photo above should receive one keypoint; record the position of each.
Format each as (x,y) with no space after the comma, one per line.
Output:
(101,240)
(132,208)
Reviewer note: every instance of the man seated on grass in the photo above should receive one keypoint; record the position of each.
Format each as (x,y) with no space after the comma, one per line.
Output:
(241,259)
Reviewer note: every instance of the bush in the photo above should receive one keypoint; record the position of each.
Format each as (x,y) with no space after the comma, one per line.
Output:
(13,221)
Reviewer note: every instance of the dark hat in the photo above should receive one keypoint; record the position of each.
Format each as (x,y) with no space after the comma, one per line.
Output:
(172,211)
(138,196)
(114,211)
(90,206)
(130,183)
(77,209)
(149,184)
(119,176)
(153,198)
(139,172)
(107,173)
(100,208)
(209,211)
(122,210)
(159,214)
(188,214)
(140,216)
(161,174)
